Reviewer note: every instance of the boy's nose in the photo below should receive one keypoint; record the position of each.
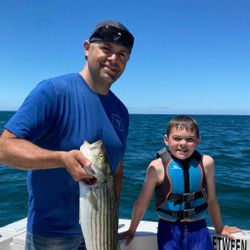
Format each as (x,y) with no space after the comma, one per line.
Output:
(183,141)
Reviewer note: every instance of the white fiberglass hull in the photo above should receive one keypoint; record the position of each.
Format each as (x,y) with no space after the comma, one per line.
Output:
(12,237)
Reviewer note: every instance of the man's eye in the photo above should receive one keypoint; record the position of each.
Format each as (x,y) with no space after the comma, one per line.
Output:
(105,49)
(123,55)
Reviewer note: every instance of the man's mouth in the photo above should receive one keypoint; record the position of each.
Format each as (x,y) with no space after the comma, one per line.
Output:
(112,70)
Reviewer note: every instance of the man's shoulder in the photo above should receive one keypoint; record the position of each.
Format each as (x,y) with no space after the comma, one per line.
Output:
(65,83)
(66,78)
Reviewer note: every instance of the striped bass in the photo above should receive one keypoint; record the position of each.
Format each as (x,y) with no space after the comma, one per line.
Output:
(98,202)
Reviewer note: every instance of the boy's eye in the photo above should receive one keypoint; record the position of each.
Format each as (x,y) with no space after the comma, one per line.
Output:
(177,138)
(190,140)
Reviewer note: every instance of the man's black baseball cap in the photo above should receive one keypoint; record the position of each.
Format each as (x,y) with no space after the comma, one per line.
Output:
(112,31)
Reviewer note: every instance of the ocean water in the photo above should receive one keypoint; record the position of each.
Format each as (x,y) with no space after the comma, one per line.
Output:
(225,138)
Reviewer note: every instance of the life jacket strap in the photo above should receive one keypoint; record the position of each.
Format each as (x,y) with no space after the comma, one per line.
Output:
(186,197)
(187,213)
(164,155)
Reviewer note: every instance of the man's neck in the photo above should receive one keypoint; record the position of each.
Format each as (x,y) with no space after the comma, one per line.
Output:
(97,88)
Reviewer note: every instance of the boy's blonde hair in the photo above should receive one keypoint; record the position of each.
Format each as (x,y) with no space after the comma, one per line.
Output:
(184,122)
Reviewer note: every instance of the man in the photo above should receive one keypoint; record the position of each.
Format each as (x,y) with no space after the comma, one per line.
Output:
(45,134)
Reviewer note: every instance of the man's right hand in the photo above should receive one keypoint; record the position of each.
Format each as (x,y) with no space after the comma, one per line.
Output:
(76,163)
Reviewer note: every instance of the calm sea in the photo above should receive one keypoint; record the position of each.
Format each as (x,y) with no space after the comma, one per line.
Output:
(225,138)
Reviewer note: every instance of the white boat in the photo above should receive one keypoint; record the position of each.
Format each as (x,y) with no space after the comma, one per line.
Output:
(12,237)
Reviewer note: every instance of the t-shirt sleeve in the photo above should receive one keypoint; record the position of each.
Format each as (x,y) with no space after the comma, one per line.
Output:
(37,113)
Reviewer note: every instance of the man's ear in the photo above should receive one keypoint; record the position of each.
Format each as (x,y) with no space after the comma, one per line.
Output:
(86,46)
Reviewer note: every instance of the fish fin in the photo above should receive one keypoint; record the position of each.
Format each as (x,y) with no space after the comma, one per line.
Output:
(93,200)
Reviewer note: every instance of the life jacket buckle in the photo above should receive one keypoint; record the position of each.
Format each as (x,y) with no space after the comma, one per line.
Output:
(187,197)
(189,213)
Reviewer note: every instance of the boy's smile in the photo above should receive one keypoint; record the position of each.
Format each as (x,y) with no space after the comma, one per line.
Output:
(181,143)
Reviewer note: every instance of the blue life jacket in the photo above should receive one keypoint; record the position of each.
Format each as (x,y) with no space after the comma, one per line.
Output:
(183,193)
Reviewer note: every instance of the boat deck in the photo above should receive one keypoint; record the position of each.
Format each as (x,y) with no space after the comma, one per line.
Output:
(12,237)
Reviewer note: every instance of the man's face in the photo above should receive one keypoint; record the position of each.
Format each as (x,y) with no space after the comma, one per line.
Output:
(106,62)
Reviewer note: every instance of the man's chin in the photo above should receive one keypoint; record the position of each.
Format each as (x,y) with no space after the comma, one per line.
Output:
(109,79)
(114,75)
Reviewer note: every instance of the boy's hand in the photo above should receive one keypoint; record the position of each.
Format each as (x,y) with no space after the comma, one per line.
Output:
(228,231)
(127,236)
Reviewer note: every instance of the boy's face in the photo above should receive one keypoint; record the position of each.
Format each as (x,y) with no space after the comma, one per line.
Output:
(181,143)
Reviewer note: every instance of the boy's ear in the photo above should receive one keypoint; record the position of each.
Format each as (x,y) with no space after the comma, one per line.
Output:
(199,140)
(166,140)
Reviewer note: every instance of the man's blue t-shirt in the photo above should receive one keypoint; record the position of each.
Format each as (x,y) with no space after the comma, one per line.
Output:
(59,114)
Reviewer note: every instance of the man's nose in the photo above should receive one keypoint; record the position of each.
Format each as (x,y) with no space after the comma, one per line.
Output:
(112,56)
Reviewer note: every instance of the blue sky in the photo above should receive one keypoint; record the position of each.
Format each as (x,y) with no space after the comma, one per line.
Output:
(190,56)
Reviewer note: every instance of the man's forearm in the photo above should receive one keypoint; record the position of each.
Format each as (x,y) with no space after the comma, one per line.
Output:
(23,154)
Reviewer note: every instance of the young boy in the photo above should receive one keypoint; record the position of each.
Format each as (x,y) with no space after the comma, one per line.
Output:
(184,186)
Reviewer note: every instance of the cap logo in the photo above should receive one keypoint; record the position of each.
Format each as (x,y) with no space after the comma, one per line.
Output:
(109,33)
(118,36)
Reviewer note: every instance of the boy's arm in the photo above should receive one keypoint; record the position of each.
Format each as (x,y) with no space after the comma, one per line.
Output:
(213,205)
(141,204)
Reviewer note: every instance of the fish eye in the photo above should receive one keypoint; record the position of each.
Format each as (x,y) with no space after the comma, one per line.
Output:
(101,156)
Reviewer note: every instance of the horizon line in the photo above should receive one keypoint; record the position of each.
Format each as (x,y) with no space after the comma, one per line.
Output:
(171,113)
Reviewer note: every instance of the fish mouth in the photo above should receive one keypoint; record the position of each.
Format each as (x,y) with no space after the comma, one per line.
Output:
(90,182)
